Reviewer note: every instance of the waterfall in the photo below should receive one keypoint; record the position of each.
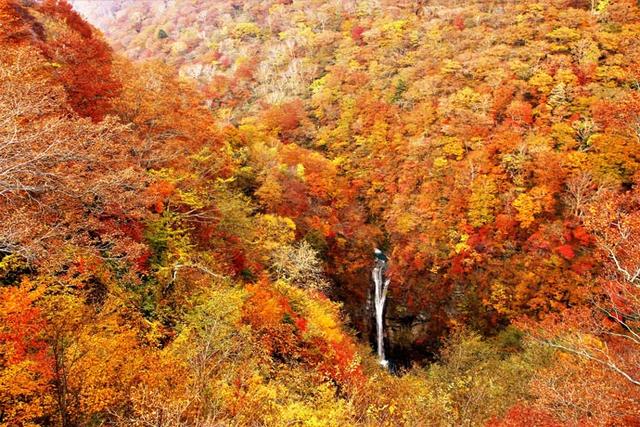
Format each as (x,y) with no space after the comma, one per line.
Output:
(381,284)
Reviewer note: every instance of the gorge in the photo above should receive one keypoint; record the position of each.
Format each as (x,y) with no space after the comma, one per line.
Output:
(191,190)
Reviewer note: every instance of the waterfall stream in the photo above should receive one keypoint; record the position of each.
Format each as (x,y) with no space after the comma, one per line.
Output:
(381,285)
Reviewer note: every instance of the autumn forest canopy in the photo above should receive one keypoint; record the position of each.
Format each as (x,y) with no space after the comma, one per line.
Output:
(191,192)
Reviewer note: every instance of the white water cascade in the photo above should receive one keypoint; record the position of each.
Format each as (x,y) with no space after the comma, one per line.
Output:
(381,285)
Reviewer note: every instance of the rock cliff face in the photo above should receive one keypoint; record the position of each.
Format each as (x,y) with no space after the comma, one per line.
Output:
(410,337)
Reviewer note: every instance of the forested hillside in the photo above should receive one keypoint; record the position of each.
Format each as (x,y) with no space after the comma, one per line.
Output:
(190,202)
